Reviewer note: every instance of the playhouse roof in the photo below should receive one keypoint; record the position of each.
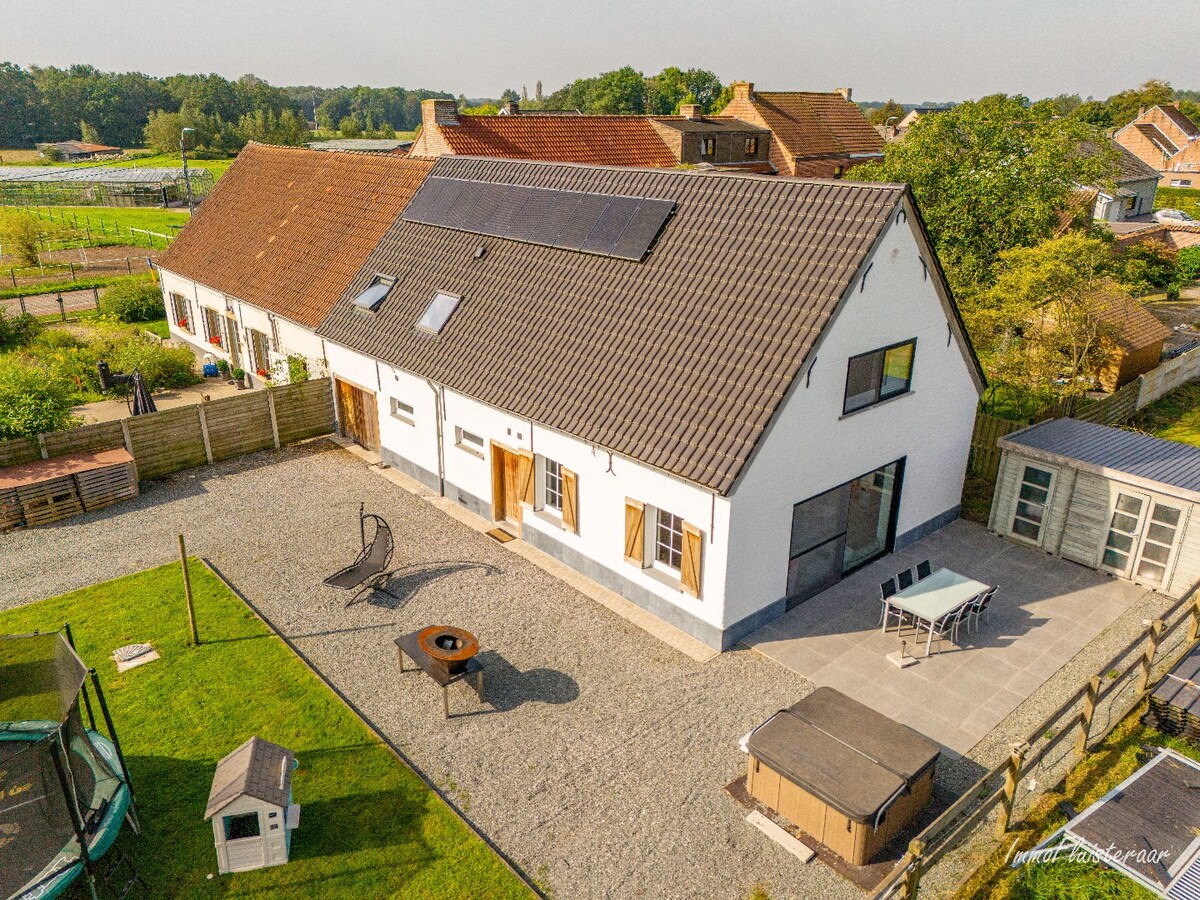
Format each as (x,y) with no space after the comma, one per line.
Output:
(257,769)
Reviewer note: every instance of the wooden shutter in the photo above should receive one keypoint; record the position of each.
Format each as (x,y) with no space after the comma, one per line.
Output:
(693,549)
(570,500)
(525,476)
(635,531)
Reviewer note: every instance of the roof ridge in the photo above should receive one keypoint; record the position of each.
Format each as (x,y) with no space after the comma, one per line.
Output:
(306,149)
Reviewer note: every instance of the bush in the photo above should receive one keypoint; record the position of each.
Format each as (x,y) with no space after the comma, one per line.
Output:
(161,367)
(18,330)
(133,301)
(1188,264)
(32,404)
(1148,266)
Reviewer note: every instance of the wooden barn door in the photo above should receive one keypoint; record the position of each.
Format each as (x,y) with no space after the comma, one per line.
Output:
(358,414)
(512,482)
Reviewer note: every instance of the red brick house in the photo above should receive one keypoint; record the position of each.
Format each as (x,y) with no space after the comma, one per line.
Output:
(813,135)
(1164,138)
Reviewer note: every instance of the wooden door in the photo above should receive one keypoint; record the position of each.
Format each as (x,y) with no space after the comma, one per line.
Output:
(358,414)
(512,475)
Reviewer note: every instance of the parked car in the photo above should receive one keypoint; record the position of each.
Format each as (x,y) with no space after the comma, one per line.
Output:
(1172,215)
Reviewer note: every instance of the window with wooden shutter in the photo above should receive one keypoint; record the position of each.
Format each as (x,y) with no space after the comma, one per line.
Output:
(635,532)
(693,550)
(525,477)
(570,500)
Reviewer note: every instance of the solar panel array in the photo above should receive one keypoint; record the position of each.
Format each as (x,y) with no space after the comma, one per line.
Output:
(623,227)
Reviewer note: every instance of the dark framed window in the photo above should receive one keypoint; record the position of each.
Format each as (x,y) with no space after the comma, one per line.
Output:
(553,485)
(752,146)
(708,146)
(243,826)
(879,375)
(668,539)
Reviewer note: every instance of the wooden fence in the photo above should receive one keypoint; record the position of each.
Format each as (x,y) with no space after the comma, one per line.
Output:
(1048,752)
(186,436)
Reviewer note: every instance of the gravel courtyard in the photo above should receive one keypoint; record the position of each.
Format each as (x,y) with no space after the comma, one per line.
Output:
(599,760)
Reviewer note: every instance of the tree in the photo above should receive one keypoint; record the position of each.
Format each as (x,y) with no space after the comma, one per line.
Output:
(1094,112)
(348,127)
(991,175)
(537,91)
(21,233)
(162,131)
(889,111)
(1043,333)
(88,134)
(1125,105)
(1149,266)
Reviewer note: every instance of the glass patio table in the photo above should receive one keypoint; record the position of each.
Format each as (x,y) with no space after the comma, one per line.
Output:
(932,598)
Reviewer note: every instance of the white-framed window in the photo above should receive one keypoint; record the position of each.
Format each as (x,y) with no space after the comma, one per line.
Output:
(668,539)
(552,485)
(1181,182)
(403,411)
(708,146)
(468,440)
(181,313)
(1033,499)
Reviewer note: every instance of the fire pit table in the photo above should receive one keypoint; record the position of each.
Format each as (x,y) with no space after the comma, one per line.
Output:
(444,653)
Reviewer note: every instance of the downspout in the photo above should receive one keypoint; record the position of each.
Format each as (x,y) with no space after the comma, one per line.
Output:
(439,405)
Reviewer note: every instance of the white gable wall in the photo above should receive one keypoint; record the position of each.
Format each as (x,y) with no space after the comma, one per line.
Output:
(812,447)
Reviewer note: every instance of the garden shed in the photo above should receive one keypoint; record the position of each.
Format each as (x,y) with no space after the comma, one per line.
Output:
(841,772)
(250,806)
(1122,502)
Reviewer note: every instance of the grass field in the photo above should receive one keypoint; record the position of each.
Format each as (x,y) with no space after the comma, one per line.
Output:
(1175,416)
(369,826)
(1187,199)
(139,159)
(115,220)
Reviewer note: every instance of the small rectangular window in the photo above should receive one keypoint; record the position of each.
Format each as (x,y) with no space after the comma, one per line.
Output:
(553,485)
(466,440)
(668,539)
(403,411)
(752,146)
(1032,501)
(879,375)
(181,314)
(439,311)
(243,826)
(213,328)
(708,146)
(373,295)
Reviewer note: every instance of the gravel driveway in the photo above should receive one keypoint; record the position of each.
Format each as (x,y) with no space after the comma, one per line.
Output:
(598,762)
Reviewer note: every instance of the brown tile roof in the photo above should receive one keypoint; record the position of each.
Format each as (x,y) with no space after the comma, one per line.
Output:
(1131,168)
(809,123)
(679,360)
(1136,326)
(592,140)
(709,124)
(287,228)
(257,769)
(1156,137)
(1180,120)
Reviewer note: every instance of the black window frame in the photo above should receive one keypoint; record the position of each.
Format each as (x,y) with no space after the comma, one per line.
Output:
(705,144)
(879,395)
(752,145)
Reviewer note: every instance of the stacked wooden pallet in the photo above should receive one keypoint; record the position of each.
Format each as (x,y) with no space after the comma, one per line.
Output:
(46,490)
(1175,702)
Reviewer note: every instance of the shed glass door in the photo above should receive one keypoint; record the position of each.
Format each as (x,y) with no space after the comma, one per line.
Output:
(1158,543)
(1123,531)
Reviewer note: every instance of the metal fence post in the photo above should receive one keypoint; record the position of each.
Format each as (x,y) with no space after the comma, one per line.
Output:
(1152,639)
(21,302)
(96,296)
(62,310)
(912,880)
(1011,776)
(1089,710)
(128,269)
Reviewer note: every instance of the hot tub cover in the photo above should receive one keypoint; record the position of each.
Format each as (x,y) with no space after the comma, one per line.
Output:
(844,753)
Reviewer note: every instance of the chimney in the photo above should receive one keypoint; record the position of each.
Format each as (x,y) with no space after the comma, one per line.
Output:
(845,92)
(1142,110)
(743,90)
(690,110)
(439,112)
(511,108)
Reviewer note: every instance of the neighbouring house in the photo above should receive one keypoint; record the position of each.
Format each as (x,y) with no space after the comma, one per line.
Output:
(78,151)
(813,134)
(643,141)
(1144,829)
(250,807)
(261,262)
(714,394)
(362,145)
(1132,193)
(1174,235)
(1114,500)
(894,131)
(1136,344)
(1168,141)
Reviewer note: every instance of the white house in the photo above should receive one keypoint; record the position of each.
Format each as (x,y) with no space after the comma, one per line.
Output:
(714,394)
(257,268)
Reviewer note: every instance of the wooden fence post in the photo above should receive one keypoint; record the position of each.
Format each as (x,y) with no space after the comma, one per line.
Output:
(204,433)
(1194,626)
(1152,639)
(912,880)
(1089,710)
(274,420)
(1011,776)
(21,302)
(187,592)
(62,310)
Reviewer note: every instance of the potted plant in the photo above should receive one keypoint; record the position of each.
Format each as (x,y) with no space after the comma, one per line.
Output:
(239,375)
(223,368)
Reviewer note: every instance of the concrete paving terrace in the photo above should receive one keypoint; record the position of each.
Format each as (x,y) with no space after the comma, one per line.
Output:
(597,763)
(1045,612)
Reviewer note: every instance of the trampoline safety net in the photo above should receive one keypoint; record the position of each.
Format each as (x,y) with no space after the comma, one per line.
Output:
(40,682)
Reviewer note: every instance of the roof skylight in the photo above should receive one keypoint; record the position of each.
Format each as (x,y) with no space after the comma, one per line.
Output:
(374,294)
(439,311)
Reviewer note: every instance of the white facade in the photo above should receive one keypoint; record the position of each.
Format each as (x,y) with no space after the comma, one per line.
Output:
(271,846)
(811,447)
(284,336)
(1120,208)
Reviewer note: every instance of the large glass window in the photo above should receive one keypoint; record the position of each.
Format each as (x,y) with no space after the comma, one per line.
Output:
(878,375)
(1032,500)
(841,530)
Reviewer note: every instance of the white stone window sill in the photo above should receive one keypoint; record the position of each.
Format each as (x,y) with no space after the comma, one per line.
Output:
(876,405)
(468,448)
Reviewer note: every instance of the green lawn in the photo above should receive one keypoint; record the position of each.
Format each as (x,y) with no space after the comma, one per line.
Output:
(369,826)
(114,222)
(1175,416)
(1187,199)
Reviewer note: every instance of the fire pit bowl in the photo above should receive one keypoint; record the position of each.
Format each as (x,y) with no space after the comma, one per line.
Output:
(448,647)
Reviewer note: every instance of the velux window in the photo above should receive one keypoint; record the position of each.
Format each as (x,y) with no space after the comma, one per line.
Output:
(438,313)
(373,295)
(878,375)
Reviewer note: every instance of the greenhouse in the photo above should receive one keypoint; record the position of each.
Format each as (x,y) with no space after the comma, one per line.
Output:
(100,186)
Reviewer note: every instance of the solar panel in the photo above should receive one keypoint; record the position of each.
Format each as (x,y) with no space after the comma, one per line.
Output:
(623,227)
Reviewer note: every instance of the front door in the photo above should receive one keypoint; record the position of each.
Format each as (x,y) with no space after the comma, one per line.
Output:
(841,530)
(512,475)
(358,416)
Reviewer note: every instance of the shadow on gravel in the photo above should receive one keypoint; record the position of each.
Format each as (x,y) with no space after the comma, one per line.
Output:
(409,581)
(506,687)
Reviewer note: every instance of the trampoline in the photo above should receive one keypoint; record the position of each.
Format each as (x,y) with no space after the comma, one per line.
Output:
(64,787)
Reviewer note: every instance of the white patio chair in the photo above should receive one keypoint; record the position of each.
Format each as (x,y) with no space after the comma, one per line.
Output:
(978,607)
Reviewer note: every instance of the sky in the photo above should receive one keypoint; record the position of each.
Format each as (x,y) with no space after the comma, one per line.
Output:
(911,51)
